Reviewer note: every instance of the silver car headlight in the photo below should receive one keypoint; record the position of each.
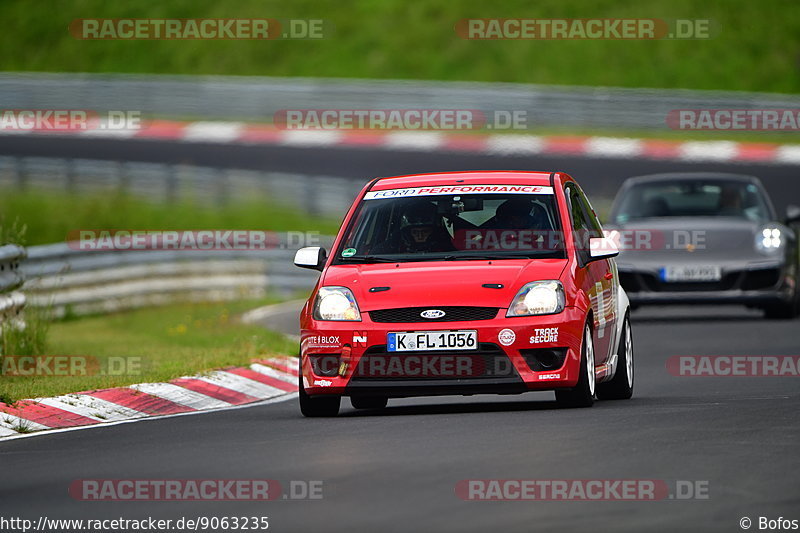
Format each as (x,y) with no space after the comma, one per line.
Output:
(769,239)
(538,298)
(336,304)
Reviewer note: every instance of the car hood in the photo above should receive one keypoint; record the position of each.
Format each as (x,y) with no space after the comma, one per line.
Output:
(710,239)
(440,283)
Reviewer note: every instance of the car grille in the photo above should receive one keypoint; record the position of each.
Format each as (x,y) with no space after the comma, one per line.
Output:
(653,283)
(750,280)
(761,279)
(452,314)
(489,361)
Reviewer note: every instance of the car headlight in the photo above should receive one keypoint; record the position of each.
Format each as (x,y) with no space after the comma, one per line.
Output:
(769,239)
(538,298)
(336,303)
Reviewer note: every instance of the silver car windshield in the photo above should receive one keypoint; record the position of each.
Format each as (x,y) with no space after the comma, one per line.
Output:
(692,198)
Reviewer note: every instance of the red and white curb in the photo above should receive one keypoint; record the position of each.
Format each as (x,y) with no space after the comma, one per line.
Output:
(497,144)
(268,379)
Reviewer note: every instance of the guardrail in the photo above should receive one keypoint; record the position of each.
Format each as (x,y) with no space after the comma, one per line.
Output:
(69,281)
(259,98)
(11,300)
(314,194)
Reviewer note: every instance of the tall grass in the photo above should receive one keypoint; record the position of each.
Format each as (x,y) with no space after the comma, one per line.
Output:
(756,45)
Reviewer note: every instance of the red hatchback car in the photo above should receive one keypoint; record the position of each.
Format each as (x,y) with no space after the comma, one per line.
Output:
(465,283)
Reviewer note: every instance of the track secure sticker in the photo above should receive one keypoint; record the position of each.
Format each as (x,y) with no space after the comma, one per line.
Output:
(543,335)
(507,337)
(348,252)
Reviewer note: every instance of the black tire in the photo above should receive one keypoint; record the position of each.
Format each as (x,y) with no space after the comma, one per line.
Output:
(621,385)
(369,402)
(784,310)
(582,395)
(318,406)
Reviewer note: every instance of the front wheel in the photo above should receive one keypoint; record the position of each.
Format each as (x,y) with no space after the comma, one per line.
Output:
(621,385)
(582,395)
(317,406)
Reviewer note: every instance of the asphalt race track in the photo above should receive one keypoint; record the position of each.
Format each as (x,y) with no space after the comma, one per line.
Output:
(597,176)
(396,470)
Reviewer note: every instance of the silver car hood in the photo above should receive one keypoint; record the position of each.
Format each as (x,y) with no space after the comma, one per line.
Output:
(696,240)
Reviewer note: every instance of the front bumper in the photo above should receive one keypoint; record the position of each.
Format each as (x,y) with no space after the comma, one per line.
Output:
(750,285)
(350,358)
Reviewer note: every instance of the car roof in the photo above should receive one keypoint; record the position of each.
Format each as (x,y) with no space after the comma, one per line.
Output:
(707,176)
(491,177)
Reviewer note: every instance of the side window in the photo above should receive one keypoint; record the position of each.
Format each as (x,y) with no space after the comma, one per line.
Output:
(584,222)
(592,222)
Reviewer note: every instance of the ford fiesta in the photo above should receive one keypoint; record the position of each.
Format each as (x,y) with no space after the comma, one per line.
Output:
(465,283)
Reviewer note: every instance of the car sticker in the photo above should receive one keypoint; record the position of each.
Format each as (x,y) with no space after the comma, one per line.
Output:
(458,189)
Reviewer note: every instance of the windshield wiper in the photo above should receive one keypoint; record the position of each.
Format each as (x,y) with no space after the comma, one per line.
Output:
(507,255)
(368,259)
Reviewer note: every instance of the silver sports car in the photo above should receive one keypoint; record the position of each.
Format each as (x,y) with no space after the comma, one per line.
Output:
(705,238)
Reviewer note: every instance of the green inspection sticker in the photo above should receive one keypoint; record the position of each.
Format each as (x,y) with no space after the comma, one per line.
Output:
(348,252)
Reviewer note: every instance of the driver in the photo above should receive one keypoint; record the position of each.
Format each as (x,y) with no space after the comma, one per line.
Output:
(422,230)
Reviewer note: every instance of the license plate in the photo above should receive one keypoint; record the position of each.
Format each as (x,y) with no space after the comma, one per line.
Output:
(691,273)
(421,341)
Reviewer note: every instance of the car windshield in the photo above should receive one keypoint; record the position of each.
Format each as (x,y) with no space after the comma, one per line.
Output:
(421,225)
(692,198)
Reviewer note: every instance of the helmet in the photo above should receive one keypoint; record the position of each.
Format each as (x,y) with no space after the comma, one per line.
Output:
(420,225)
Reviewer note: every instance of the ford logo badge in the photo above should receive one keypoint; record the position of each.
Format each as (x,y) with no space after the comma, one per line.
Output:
(432,313)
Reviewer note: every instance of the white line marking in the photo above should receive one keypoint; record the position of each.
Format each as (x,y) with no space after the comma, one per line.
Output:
(260,313)
(269,371)
(788,153)
(4,432)
(180,395)
(708,150)
(287,396)
(310,137)
(224,132)
(109,410)
(70,404)
(241,384)
(613,147)
(413,140)
(11,421)
(514,144)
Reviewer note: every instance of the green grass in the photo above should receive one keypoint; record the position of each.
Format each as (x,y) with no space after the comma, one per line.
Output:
(756,46)
(156,344)
(49,216)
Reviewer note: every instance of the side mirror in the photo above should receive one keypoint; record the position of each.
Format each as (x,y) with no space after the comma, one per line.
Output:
(311,257)
(602,248)
(792,214)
